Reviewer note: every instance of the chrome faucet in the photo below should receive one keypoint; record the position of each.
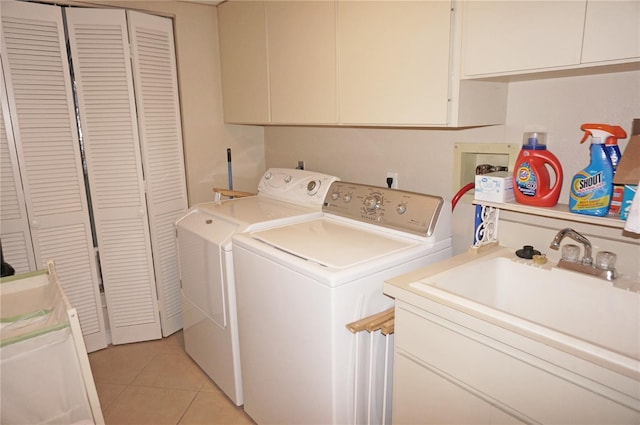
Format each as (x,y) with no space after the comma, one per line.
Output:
(586,264)
(555,244)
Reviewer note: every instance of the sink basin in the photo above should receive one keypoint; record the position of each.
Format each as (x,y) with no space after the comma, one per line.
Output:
(577,310)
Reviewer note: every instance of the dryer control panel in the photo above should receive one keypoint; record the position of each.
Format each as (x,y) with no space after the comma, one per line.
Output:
(411,212)
(301,187)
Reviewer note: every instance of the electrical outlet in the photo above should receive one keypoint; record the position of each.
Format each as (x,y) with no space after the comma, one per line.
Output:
(394,176)
(300,165)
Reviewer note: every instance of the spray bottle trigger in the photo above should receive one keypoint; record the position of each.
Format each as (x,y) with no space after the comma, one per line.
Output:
(587,133)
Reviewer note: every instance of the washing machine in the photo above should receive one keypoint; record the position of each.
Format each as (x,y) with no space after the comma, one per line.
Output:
(300,284)
(206,264)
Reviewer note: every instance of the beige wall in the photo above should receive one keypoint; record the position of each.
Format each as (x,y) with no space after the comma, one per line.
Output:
(206,137)
(424,158)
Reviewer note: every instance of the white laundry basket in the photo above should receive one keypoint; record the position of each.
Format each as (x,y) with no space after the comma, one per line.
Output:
(46,376)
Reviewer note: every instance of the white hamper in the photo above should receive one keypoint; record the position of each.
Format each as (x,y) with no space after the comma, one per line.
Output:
(45,375)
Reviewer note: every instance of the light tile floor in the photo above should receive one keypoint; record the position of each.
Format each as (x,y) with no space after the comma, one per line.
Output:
(157,383)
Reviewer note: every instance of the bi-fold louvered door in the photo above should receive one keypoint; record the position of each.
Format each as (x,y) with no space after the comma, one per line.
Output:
(14,222)
(39,103)
(156,84)
(99,47)
(132,141)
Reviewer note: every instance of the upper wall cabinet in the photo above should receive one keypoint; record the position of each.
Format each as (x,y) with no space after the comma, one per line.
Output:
(301,44)
(278,62)
(243,59)
(612,31)
(364,63)
(394,62)
(507,38)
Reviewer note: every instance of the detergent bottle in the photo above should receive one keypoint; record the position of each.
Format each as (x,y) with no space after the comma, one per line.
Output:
(592,187)
(531,179)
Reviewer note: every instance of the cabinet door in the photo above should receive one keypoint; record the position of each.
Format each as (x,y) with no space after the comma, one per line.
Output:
(155,77)
(511,36)
(612,31)
(302,61)
(421,396)
(36,67)
(243,59)
(99,46)
(393,62)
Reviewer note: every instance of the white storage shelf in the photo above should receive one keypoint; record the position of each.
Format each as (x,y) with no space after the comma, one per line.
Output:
(560,211)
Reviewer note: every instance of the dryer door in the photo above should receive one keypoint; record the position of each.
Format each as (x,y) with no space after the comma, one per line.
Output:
(201,240)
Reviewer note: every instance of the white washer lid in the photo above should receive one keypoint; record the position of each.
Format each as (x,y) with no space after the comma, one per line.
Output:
(331,243)
(246,212)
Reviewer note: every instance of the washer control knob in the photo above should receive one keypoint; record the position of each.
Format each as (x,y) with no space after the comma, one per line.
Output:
(312,187)
(287,179)
(372,203)
(401,208)
(347,197)
(268,176)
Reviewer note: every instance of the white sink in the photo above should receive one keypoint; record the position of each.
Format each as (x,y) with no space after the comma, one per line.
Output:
(577,310)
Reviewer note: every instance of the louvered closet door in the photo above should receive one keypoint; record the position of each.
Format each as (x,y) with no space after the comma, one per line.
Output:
(46,136)
(17,248)
(101,62)
(156,83)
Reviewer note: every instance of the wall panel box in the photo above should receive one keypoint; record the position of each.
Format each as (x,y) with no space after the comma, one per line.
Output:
(468,156)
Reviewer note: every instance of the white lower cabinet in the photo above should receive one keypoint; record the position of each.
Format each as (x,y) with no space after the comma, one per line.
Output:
(451,367)
(423,396)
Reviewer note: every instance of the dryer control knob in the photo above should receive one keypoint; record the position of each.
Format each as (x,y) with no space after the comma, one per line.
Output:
(372,203)
(312,187)
(347,197)
(401,208)
(335,195)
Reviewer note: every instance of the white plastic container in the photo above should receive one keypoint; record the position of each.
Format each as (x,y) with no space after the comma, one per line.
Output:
(494,187)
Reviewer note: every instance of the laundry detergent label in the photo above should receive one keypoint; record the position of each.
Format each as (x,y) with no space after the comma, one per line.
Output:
(526,180)
(589,192)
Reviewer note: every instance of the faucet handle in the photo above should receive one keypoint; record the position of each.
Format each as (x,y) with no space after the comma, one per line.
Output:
(571,252)
(606,260)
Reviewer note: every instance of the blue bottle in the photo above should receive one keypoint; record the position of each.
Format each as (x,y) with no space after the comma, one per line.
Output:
(592,188)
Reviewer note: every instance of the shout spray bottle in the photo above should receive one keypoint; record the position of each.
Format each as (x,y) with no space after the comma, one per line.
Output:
(592,188)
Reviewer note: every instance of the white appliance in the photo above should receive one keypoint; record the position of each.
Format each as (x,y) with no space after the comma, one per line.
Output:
(206,264)
(298,285)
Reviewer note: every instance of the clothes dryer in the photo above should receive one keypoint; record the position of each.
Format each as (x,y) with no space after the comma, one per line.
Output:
(206,264)
(299,284)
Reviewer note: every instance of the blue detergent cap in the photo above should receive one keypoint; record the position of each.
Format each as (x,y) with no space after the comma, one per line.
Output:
(534,141)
